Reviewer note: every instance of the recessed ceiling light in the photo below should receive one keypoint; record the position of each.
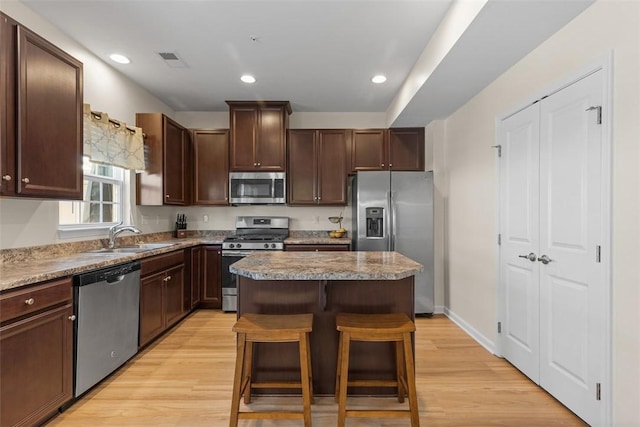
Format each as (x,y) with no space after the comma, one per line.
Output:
(248,78)
(379,79)
(120,59)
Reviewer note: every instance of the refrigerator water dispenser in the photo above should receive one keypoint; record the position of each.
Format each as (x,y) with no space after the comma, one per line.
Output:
(375,218)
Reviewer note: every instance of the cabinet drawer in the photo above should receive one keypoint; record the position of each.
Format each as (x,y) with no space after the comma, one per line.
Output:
(161,262)
(34,298)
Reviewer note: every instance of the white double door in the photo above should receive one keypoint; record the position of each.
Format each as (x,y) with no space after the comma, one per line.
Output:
(551,279)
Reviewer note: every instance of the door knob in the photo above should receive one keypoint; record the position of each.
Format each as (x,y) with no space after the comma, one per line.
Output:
(6,177)
(544,259)
(531,257)
(25,180)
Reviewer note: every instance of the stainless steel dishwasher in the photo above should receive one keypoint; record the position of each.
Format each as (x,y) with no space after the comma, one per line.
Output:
(106,306)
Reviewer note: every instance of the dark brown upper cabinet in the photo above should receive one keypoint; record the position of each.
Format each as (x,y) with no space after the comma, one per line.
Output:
(398,149)
(41,120)
(210,166)
(257,133)
(165,182)
(317,166)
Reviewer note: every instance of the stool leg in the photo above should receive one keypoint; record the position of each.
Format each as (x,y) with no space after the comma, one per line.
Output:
(237,381)
(344,378)
(411,380)
(304,378)
(400,370)
(310,370)
(248,366)
(338,367)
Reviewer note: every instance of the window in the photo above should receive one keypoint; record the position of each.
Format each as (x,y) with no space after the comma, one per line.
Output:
(102,204)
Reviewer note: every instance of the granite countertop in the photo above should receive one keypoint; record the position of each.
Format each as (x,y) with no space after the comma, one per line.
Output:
(25,266)
(316,240)
(326,266)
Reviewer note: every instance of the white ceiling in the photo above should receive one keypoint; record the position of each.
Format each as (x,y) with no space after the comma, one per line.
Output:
(318,54)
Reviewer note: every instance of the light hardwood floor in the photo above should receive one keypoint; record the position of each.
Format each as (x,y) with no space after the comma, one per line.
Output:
(185,379)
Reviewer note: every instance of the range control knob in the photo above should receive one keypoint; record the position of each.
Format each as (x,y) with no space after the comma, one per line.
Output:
(238,245)
(231,245)
(266,246)
(273,245)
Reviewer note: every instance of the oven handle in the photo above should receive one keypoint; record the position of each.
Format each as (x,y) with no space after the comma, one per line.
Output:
(236,253)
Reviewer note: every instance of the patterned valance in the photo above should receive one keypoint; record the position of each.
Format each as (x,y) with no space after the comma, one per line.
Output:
(112,142)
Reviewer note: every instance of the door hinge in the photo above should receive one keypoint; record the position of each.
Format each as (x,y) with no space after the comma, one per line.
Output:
(499,327)
(598,256)
(499,239)
(599,109)
(499,147)
(598,391)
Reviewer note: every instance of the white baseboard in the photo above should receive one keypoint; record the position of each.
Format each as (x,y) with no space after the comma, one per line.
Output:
(470,330)
(438,309)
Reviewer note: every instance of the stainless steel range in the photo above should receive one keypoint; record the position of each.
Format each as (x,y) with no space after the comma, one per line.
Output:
(253,233)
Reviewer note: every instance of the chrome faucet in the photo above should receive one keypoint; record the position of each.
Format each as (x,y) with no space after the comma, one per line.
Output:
(117,229)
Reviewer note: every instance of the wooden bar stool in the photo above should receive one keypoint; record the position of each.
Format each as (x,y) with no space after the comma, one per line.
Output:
(394,327)
(253,328)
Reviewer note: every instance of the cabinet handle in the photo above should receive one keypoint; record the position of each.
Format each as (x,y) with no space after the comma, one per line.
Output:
(168,278)
(30,301)
(25,180)
(382,164)
(258,163)
(72,317)
(255,164)
(6,177)
(166,196)
(390,165)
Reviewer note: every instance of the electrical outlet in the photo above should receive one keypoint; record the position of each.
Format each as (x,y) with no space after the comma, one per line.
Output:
(205,218)
(144,219)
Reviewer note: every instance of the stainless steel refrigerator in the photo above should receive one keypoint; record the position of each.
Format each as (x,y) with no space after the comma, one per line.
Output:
(393,211)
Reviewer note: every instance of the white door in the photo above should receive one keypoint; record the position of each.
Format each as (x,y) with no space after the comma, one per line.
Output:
(519,269)
(571,285)
(552,308)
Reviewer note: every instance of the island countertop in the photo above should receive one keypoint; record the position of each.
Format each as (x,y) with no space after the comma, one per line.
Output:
(275,265)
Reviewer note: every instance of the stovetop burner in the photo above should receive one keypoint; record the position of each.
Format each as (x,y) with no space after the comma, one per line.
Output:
(258,233)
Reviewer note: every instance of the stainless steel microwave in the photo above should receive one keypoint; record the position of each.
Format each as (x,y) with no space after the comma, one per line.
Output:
(257,188)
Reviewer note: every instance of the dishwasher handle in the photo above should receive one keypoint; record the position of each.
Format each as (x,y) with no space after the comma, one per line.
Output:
(115,278)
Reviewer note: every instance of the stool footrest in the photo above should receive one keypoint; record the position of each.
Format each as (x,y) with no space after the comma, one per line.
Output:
(365,413)
(284,415)
(372,383)
(277,384)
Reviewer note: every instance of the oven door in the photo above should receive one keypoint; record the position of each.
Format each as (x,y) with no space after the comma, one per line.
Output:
(229,284)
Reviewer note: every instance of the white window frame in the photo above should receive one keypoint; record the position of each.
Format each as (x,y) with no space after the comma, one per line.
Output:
(69,231)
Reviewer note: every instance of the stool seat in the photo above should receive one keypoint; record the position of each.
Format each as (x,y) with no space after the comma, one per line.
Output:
(389,327)
(271,328)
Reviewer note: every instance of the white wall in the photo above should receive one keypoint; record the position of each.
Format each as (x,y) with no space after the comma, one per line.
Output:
(471,195)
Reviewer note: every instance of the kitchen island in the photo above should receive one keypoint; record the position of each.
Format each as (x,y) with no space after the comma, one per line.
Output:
(325,283)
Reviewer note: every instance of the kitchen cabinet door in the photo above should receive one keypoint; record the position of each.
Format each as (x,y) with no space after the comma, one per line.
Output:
(165,181)
(210,167)
(211,296)
(332,167)
(270,147)
(173,295)
(175,157)
(302,175)
(152,313)
(368,150)
(406,149)
(42,117)
(36,366)
(196,273)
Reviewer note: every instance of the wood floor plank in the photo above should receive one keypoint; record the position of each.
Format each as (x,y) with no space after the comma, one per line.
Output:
(185,379)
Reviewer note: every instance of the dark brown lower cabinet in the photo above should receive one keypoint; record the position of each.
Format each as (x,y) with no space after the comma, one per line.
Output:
(211,296)
(192,288)
(36,353)
(161,294)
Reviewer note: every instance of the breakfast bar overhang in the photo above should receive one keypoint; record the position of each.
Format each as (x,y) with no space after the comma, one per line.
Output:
(325,283)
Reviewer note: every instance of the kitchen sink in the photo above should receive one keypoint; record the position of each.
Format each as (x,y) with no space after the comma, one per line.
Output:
(133,249)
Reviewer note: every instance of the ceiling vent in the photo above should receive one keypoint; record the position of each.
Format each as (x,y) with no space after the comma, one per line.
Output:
(172,60)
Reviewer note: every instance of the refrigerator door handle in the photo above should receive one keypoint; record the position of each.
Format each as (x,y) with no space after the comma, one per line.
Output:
(392,232)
